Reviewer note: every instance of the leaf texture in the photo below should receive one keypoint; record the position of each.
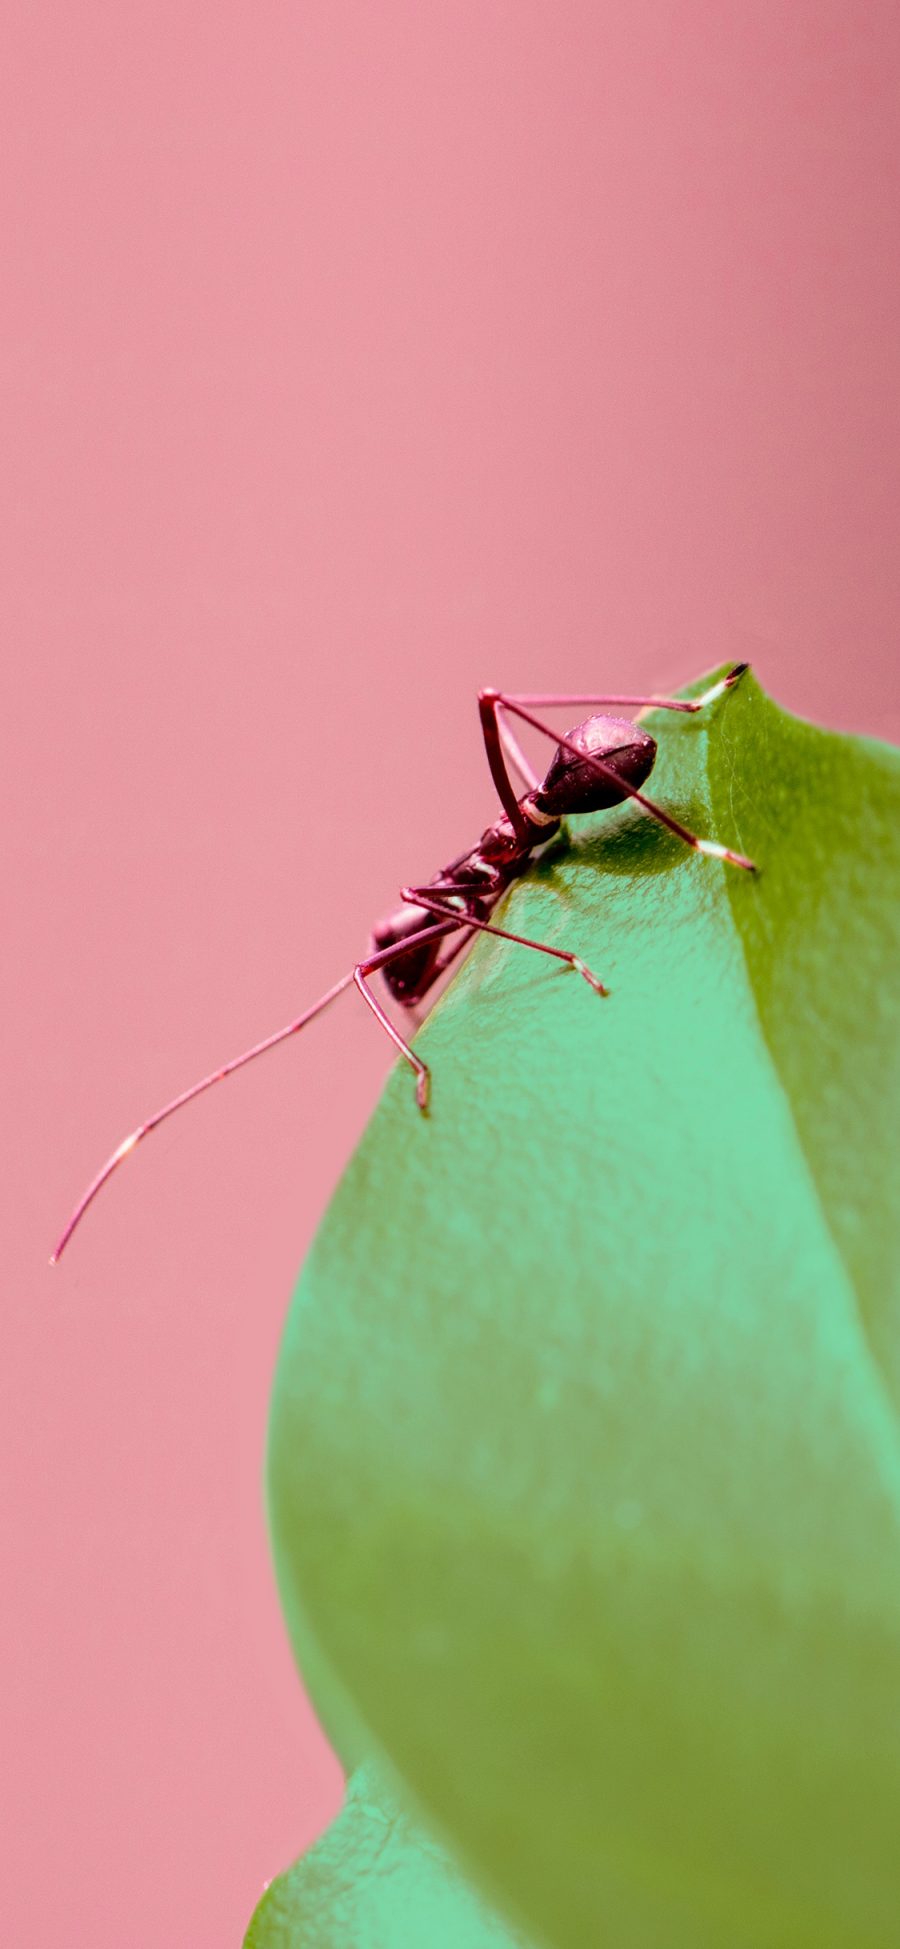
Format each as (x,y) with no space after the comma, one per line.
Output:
(375,1881)
(584,1472)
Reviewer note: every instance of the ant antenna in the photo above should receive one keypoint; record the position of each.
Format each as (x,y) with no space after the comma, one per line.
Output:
(128,1144)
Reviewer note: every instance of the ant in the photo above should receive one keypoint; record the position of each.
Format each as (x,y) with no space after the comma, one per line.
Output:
(601,762)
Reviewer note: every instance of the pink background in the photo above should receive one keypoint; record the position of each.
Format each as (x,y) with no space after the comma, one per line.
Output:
(352,355)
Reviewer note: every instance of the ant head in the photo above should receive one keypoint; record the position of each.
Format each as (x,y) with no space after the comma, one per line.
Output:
(575,784)
(410,975)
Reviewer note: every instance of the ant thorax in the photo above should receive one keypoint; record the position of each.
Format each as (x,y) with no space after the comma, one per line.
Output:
(501,854)
(470,886)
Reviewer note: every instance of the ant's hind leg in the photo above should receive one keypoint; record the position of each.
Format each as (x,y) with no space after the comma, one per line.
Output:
(515,756)
(422,897)
(710,847)
(498,751)
(716,690)
(503,749)
(688,704)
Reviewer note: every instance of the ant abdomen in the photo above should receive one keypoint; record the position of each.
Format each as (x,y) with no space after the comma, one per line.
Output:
(575,785)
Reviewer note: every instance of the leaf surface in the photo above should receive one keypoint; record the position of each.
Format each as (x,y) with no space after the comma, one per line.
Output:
(584,1474)
(375,1881)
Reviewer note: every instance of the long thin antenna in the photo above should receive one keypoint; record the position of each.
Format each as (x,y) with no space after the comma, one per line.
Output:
(129,1144)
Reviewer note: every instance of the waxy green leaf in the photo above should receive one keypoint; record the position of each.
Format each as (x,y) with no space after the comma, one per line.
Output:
(375,1880)
(584,1473)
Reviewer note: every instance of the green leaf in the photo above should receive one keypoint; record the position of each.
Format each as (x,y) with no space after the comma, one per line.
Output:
(375,1881)
(584,1472)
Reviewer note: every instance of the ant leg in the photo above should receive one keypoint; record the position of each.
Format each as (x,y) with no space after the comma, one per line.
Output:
(423,1074)
(488,700)
(515,755)
(710,847)
(455,948)
(422,897)
(130,1143)
(709,696)
(381,960)
(443,962)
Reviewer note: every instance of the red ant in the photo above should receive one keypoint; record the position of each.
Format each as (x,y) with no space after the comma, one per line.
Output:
(598,764)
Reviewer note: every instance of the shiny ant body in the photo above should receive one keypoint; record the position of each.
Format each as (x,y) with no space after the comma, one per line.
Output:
(597,764)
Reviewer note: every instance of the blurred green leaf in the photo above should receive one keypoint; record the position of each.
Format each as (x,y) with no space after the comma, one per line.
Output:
(375,1881)
(584,1472)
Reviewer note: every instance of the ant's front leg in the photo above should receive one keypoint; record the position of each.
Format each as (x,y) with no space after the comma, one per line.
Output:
(423,1074)
(382,959)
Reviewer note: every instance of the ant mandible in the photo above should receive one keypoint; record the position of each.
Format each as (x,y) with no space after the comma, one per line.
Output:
(601,762)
